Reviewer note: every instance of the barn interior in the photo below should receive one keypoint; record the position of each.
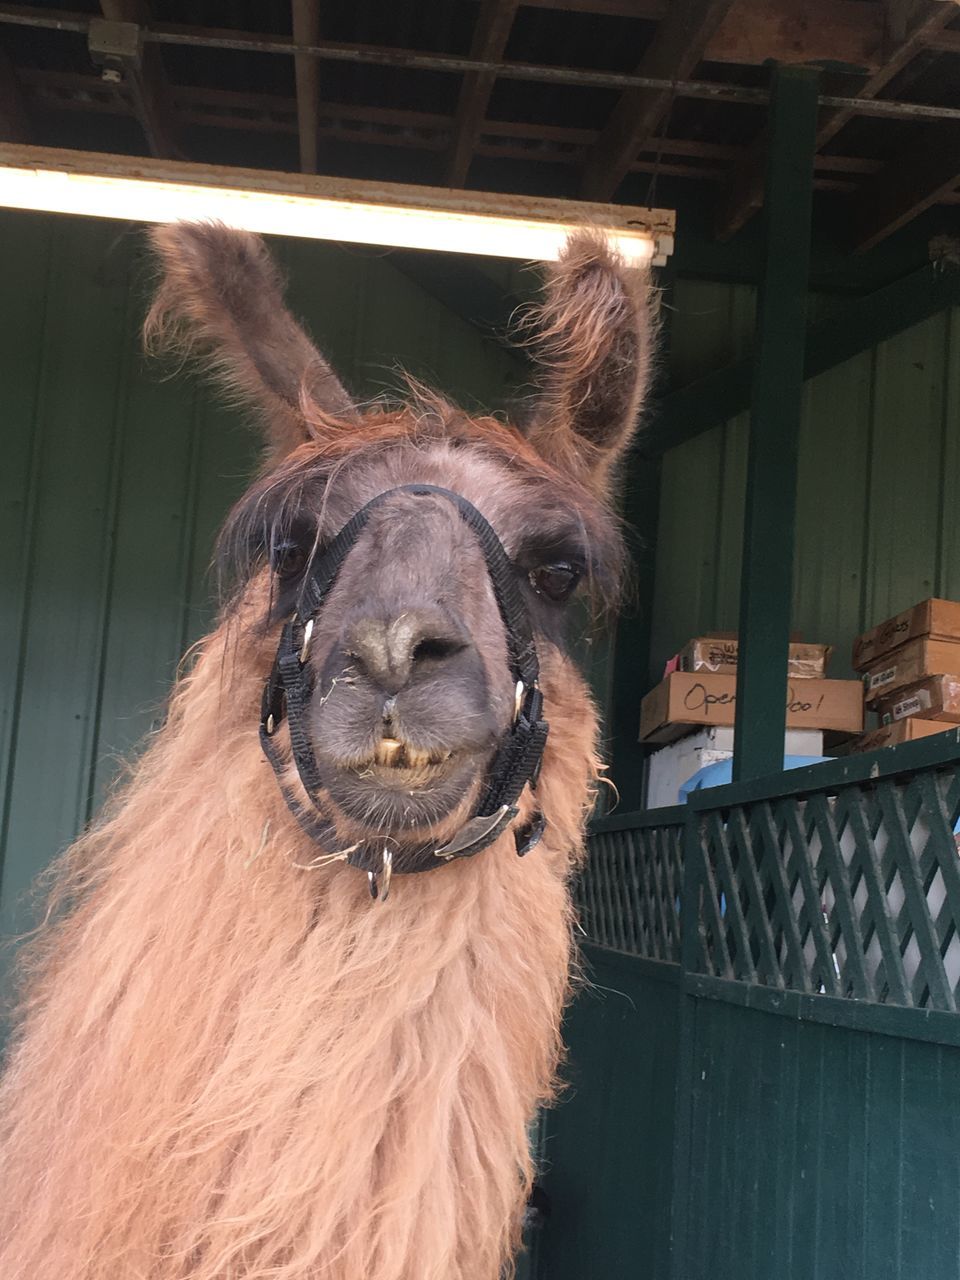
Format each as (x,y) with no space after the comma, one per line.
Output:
(766,1059)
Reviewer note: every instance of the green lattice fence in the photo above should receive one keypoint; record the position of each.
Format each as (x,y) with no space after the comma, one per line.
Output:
(765,1058)
(851,894)
(629,895)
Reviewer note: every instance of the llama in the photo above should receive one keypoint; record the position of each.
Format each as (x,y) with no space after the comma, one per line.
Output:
(297,998)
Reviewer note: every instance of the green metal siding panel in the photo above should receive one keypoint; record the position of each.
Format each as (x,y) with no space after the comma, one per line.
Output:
(878,488)
(114,482)
(608,1150)
(68,567)
(21,334)
(820,1152)
(832,497)
(906,465)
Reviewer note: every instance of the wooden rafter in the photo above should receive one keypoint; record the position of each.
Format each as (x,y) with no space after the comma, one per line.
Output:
(787,31)
(945,42)
(382,126)
(306,30)
(676,49)
(418,130)
(653,10)
(147,81)
(746,31)
(744,194)
(840,31)
(934,19)
(14,118)
(908,185)
(489,42)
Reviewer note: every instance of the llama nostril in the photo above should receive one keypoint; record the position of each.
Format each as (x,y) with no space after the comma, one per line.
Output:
(436,647)
(389,652)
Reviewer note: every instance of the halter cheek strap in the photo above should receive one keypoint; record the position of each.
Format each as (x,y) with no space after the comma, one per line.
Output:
(289,688)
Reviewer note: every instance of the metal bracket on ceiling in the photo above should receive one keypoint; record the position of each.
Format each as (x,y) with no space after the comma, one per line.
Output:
(114,47)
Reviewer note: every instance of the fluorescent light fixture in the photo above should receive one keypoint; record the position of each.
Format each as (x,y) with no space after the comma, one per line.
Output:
(143,190)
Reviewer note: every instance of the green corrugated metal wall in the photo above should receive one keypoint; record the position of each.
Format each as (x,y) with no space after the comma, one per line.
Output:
(878,517)
(114,481)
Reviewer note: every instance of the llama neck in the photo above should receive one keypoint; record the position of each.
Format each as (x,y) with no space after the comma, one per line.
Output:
(270,1074)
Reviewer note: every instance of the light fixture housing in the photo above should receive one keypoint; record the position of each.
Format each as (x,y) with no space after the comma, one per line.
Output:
(319,208)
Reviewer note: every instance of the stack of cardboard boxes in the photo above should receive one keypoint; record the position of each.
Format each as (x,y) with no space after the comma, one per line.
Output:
(700,688)
(694,707)
(911,673)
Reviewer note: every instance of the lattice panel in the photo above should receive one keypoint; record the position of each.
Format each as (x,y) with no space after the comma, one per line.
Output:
(855,894)
(629,893)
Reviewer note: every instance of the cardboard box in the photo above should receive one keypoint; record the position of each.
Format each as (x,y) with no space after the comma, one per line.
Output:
(908,664)
(909,730)
(938,619)
(936,698)
(719,653)
(703,697)
(673,765)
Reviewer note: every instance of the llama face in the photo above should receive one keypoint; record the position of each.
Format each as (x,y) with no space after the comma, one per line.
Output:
(408,659)
(411,687)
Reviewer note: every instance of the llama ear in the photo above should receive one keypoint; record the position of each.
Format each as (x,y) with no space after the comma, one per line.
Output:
(594,333)
(221,294)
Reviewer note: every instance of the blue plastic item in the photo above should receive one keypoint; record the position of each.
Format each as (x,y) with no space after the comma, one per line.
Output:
(715,775)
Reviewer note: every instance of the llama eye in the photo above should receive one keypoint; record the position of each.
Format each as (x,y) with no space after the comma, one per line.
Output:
(288,559)
(555,581)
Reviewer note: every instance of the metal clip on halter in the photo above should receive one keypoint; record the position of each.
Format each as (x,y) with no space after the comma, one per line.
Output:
(381,889)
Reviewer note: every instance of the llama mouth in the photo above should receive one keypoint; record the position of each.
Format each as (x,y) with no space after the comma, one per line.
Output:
(392,753)
(402,785)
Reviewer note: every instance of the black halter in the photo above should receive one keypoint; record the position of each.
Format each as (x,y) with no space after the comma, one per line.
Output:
(517,762)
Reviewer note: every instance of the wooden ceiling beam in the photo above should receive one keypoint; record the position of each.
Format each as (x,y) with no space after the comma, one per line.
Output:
(847,31)
(274,113)
(755,31)
(490,37)
(15,123)
(933,20)
(673,53)
(306,30)
(945,42)
(651,10)
(744,194)
(146,80)
(800,31)
(758,31)
(908,184)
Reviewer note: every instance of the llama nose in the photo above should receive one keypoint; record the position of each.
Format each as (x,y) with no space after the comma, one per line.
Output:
(389,652)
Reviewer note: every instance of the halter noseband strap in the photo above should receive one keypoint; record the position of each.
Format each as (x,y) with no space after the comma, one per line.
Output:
(289,688)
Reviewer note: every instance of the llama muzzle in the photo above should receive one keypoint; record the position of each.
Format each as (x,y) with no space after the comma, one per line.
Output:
(516,762)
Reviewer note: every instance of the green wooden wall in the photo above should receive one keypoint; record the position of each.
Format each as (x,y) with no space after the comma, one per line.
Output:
(607,1157)
(818,1152)
(879,485)
(113,483)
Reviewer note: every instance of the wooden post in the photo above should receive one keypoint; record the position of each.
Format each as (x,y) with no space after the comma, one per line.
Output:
(766,586)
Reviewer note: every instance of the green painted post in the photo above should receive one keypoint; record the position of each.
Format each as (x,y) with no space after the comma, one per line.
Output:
(766,590)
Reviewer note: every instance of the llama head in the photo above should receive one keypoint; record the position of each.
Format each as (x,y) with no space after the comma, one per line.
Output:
(408,657)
